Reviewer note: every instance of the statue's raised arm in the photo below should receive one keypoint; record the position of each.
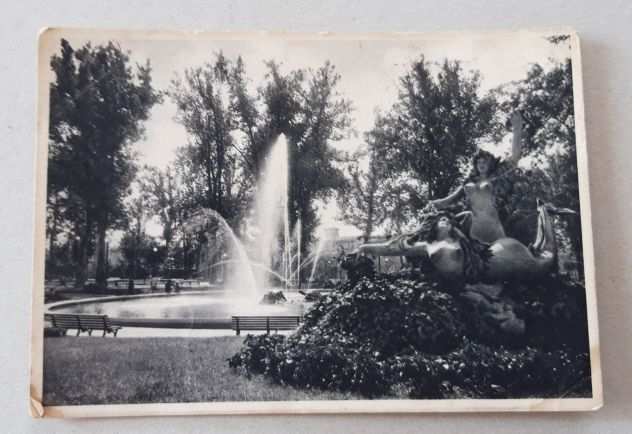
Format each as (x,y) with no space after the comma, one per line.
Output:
(398,246)
(448,200)
(517,125)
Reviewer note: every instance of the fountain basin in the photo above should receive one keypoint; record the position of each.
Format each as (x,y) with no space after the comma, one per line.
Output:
(191,310)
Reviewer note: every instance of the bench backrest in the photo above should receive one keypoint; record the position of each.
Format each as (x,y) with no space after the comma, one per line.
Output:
(73,321)
(264,322)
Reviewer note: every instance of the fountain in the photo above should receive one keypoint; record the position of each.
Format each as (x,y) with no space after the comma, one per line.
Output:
(244,281)
(256,259)
(304,262)
(271,213)
(319,250)
(269,252)
(296,275)
(254,265)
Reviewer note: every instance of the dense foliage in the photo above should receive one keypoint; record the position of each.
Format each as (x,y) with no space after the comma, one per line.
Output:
(545,97)
(232,128)
(426,339)
(419,148)
(98,106)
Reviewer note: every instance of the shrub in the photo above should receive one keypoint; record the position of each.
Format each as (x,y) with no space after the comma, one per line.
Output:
(390,335)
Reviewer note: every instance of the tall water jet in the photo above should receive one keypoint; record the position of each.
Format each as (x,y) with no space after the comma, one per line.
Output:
(266,226)
(298,230)
(287,241)
(319,250)
(271,212)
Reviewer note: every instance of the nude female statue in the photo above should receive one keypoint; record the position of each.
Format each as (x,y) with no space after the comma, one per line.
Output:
(478,190)
(456,257)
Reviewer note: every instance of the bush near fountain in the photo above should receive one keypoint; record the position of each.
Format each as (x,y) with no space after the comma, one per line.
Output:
(419,337)
(273,297)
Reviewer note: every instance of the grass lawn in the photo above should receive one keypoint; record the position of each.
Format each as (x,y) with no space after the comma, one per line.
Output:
(144,370)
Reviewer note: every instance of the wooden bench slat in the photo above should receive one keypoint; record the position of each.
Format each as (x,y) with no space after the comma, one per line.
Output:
(80,322)
(266,323)
(265,319)
(271,323)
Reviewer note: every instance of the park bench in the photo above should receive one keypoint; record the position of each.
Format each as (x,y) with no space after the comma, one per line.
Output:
(82,323)
(266,323)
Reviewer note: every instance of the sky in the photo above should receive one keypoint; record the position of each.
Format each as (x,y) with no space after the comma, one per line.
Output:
(369,70)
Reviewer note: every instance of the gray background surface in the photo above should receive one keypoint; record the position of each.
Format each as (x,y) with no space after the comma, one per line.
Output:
(607,39)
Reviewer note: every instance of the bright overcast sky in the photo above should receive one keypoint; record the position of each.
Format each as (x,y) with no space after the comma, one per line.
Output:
(369,72)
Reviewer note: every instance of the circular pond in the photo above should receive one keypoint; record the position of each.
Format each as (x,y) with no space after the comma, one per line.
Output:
(192,310)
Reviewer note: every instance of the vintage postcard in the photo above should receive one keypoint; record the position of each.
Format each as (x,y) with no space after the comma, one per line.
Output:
(238,223)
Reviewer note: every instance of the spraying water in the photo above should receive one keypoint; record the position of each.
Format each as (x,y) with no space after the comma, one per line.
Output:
(267,223)
(254,265)
(271,211)
(305,262)
(242,279)
(319,250)
(297,236)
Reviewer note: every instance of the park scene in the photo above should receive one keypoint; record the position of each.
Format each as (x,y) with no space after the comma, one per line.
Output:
(282,220)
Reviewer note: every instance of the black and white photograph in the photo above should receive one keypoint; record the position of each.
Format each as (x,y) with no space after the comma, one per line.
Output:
(337,222)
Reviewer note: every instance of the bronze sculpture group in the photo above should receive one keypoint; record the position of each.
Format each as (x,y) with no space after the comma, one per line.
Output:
(472,246)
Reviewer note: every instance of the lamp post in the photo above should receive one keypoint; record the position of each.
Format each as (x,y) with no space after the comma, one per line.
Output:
(153,265)
(224,258)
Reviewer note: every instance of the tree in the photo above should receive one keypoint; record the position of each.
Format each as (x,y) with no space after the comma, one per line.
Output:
(173,194)
(98,103)
(134,238)
(420,147)
(202,100)
(359,201)
(545,97)
(232,128)
(306,106)
(164,199)
(377,196)
(438,120)
(248,118)
(143,255)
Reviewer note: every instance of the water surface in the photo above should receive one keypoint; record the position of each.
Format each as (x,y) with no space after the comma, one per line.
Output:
(194,306)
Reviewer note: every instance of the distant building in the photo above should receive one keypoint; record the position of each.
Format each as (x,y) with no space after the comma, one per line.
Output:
(330,238)
(115,256)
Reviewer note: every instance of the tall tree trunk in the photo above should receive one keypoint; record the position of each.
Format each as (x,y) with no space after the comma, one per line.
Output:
(81,270)
(132,266)
(370,217)
(101,276)
(52,237)
(168,236)
(368,229)
(52,260)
